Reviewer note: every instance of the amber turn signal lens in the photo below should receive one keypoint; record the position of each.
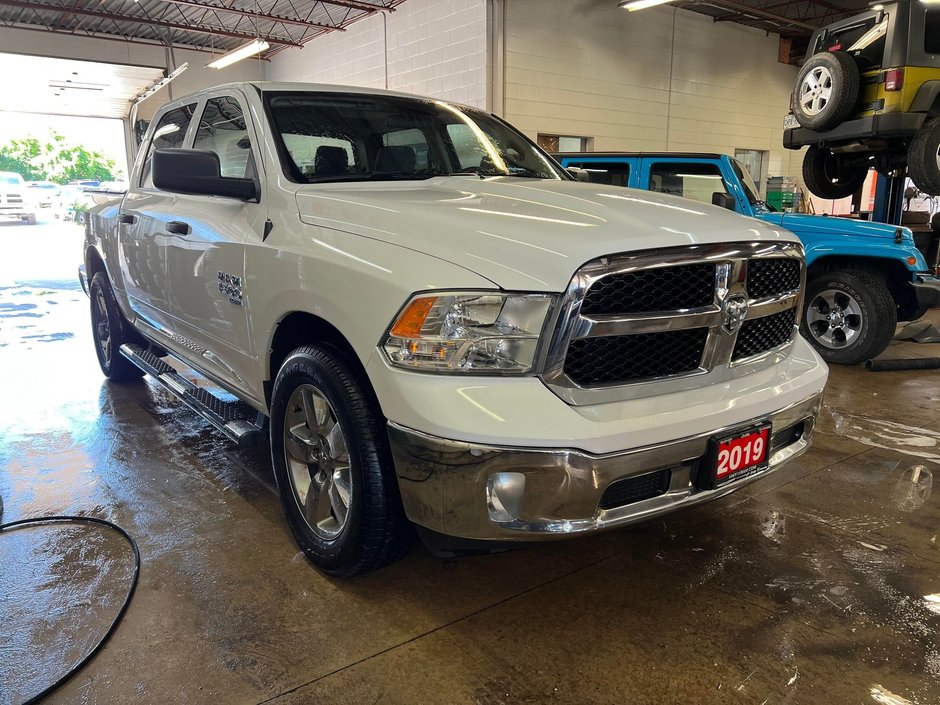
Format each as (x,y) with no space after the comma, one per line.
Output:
(412,319)
(912,261)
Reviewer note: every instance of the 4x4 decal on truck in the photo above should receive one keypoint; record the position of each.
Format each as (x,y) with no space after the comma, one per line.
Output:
(231,286)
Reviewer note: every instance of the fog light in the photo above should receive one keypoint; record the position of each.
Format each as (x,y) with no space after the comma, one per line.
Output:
(504,492)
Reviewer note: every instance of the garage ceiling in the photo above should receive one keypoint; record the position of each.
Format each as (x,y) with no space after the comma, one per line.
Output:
(206,25)
(39,84)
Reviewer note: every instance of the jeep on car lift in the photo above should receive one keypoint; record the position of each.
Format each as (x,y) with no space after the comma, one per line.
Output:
(868,95)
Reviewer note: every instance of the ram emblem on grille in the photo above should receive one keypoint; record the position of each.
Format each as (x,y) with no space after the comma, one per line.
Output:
(733,313)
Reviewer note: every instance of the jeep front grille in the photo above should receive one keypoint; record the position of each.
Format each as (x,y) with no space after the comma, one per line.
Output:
(666,316)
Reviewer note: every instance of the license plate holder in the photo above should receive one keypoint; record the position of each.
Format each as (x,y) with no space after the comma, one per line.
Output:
(735,455)
(790,122)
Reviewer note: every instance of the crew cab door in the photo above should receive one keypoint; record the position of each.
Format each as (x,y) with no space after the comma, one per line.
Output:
(141,223)
(206,238)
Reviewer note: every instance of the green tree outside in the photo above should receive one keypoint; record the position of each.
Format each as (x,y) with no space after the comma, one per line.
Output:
(54,160)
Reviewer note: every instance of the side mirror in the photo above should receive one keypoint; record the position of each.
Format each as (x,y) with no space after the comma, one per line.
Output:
(198,172)
(723,200)
(579,174)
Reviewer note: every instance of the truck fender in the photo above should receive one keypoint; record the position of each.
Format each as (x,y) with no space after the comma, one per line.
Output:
(927,99)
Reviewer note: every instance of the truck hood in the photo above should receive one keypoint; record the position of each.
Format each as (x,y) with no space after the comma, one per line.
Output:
(801,224)
(521,234)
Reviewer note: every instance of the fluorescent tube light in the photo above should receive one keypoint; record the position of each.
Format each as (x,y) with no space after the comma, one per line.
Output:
(243,52)
(632,5)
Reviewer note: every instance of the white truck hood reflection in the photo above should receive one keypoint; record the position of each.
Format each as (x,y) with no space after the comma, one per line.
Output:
(522,234)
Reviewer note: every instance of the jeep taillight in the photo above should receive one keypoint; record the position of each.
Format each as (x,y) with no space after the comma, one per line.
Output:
(894,79)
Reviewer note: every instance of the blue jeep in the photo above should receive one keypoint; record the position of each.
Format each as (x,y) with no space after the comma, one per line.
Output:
(862,277)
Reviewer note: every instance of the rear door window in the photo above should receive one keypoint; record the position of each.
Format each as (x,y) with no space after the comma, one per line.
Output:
(169,134)
(612,173)
(695,180)
(864,41)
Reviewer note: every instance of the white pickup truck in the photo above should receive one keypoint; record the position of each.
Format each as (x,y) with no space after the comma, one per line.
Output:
(439,327)
(15,199)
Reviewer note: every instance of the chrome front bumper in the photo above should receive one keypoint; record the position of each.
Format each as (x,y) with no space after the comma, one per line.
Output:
(523,494)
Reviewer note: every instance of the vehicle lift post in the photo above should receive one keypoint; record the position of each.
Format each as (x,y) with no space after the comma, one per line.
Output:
(889,198)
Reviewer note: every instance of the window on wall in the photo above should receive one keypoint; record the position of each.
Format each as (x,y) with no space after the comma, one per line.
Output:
(694,180)
(612,173)
(565,143)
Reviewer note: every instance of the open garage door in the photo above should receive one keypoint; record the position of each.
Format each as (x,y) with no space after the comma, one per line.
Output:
(51,86)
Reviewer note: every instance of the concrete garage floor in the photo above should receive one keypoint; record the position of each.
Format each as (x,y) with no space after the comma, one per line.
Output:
(820,584)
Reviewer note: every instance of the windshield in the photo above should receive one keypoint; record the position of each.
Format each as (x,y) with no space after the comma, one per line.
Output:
(346,137)
(750,188)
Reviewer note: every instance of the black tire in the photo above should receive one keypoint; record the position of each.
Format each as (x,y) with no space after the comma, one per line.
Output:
(836,74)
(826,175)
(868,316)
(923,158)
(111,330)
(374,531)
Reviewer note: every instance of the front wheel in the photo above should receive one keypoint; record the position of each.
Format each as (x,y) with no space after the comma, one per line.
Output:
(923,158)
(849,316)
(110,331)
(333,465)
(827,175)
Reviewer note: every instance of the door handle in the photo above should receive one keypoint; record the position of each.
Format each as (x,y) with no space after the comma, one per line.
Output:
(178,227)
(127,218)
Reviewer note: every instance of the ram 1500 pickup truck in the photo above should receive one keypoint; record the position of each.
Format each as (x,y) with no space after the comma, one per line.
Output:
(862,277)
(439,327)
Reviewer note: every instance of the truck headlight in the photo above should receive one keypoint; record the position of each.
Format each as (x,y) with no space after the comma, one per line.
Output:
(483,332)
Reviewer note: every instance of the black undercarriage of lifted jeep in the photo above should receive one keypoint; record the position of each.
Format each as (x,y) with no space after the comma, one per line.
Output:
(868,95)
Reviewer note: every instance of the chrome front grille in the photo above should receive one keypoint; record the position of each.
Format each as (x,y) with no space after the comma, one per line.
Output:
(668,316)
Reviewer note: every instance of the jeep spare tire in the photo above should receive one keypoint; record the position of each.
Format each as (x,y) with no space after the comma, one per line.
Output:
(826,90)
(923,158)
(828,176)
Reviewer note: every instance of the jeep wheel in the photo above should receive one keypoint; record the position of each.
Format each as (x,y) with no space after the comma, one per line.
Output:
(826,90)
(333,465)
(850,316)
(923,158)
(110,331)
(827,176)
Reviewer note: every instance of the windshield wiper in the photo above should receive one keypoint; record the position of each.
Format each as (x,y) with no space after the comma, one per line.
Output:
(371,176)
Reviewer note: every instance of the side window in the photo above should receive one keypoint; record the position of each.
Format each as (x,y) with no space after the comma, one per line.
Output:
(403,144)
(222,130)
(612,173)
(691,180)
(932,31)
(169,134)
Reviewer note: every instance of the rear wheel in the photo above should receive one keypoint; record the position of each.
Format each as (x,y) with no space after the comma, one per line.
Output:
(849,317)
(826,90)
(828,176)
(110,332)
(333,465)
(923,158)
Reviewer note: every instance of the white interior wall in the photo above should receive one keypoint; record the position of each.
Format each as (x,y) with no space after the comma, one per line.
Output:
(429,47)
(656,79)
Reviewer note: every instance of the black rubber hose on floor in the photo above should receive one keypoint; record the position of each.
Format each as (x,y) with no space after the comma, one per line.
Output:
(917,363)
(65,519)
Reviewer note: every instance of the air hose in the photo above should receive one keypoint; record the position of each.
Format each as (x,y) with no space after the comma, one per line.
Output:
(917,363)
(65,519)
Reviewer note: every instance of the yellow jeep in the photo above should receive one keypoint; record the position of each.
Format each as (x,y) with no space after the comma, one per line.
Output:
(868,95)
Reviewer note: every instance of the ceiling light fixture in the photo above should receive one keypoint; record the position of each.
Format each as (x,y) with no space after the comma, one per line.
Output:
(243,52)
(632,5)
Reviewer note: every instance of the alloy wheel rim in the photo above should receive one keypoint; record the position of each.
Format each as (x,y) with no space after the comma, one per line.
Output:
(816,90)
(317,461)
(102,327)
(834,319)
